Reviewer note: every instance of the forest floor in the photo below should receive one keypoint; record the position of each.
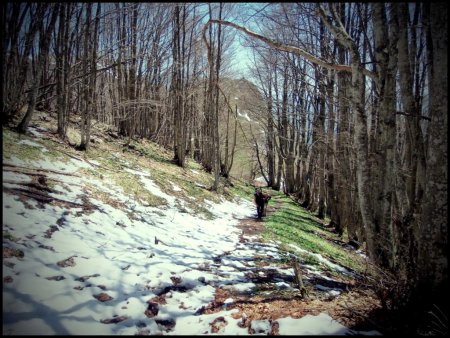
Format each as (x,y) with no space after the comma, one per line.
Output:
(160,250)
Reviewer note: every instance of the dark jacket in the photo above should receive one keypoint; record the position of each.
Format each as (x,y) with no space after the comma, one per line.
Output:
(261,197)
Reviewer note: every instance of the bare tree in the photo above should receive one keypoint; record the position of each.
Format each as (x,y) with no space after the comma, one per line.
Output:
(90,45)
(45,34)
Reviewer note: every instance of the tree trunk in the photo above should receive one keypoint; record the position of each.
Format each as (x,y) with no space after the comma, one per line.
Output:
(432,262)
(62,60)
(90,64)
(385,52)
(270,137)
(176,87)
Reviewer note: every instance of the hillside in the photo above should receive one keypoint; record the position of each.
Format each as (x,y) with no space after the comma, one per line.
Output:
(244,97)
(118,240)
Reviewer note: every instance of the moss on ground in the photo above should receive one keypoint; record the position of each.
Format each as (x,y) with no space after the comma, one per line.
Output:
(291,224)
(7,235)
(13,147)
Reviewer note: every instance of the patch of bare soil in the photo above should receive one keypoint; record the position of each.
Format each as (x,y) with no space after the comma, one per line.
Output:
(350,309)
(11,252)
(250,227)
(103,297)
(253,226)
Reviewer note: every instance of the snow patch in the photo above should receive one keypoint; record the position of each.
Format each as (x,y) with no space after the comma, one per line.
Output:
(33,144)
(133,254)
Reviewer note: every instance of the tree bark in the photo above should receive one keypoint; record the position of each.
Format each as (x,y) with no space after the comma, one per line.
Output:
(432,263)
(385,52)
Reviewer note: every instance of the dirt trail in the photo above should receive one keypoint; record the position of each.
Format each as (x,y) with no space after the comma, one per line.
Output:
(275,295)
(253,226)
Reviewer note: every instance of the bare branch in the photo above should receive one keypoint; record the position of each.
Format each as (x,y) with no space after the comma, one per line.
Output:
(342,36)
(278,45)
(413,115)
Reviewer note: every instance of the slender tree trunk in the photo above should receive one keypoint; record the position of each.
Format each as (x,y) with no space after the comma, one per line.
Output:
(270,137)
(61,60)
(224,166)
(90,64)
(177,99)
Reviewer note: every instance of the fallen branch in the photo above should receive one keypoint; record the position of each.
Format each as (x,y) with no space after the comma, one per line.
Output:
(33,185)
(413,115)
(42,186)
(44,198)
(157,241)
(33,171)
(79,159)
(68,154)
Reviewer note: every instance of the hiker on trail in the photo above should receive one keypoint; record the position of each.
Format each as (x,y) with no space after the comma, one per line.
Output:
(261,201)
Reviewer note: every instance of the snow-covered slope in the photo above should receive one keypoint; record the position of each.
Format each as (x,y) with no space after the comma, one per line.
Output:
(83,256)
